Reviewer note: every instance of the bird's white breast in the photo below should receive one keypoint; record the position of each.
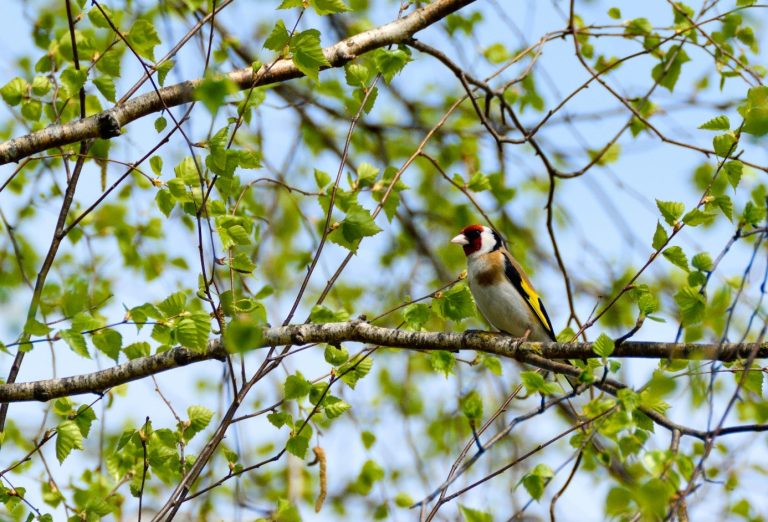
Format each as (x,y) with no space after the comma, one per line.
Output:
(500,302)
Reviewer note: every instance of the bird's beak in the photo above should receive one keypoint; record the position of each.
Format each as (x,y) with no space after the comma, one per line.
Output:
(461,239)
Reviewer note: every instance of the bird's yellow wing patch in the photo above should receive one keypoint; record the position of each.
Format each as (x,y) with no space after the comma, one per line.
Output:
(515,275)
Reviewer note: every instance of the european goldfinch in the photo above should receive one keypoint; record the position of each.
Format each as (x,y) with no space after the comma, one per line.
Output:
(503,293)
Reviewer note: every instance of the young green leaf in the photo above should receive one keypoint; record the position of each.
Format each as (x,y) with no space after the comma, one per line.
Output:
(660,237)
(755,111)
(718,123)
(442,361)
(296,387)
(724,144)
(143,38)
(733,169)
(677,257)
(603,346)
(472,406)
(307,53)
(671,211)
(278,38)
(474,515)
(68,437)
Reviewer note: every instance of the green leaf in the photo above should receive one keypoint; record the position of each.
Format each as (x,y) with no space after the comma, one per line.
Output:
(534,382)
(753,214)
(326,7)
(98,19)
(322,179)
(213,91)
(725,204)
(280,419)
(647,303)
(535,481)
(298,445)
(336,355)
(677,257)
(84,419)
(615,13)
(355,369)
(692,305)
(671,211)
(36,328)
(296,387)
(370,473)
(696,217)
(73,80)
(416,315)
(136,350)
(357,75)
(322,314)
(160,124)
(702,262)
(733,169)
(106,86)
(76,341)
(368,439)
(442,361)
(619,501)
(474,515)
(173,305)
(242,263)
(389,63)
(199,418)
(667,72)
(479,182)
(455,304)
(493,364)
(755,111)
(472,406)
(603,346)
(357,224)
(31,109)
(109,341)
(165,201)
(278,38)
(609,155)
(307,54)
(660,237)
(143,38)
(156,162)
(13,91)
(163,69)
(403,500)
(68,437)
(718,123)
(638,27)
(40,85)
(334,407)
(724,144)
(753,380)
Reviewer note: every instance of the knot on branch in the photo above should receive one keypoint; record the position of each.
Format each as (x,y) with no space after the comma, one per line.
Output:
(109,127)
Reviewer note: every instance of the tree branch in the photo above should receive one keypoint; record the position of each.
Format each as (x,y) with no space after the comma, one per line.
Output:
(107,124)
(543,355)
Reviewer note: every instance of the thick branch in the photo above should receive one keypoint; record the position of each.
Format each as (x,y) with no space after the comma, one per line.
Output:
(107,124)
(537,354)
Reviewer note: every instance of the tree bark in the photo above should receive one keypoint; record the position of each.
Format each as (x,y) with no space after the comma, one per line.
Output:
(360,331)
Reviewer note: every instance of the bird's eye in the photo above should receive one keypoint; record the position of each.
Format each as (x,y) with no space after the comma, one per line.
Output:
(472,234)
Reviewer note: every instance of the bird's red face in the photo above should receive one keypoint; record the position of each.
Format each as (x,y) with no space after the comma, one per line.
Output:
(471,239)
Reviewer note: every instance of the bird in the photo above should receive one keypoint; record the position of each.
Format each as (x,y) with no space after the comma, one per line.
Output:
(502,291)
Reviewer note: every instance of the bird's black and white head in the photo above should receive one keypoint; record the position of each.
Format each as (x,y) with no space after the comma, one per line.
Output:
(478,240)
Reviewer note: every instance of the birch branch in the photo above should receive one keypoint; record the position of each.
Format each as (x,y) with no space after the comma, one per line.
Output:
(107,124)
(541,355)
